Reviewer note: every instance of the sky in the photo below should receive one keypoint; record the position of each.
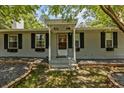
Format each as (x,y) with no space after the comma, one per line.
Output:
(44,8)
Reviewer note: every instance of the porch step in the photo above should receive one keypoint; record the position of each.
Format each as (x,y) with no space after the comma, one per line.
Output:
(59,66)
(60,63)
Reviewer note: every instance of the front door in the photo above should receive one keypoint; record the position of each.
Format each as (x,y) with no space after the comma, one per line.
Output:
(62,44)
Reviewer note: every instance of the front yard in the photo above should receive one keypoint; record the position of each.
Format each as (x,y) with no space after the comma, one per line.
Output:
(88,77)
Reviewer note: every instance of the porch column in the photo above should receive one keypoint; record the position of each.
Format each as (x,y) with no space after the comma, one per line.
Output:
(49,45)
(74,48)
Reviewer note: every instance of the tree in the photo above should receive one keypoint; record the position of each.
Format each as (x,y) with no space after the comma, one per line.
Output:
(105,14)
(116,16)
(10,13)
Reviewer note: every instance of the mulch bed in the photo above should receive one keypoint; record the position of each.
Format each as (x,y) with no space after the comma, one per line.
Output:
(117,78)
(12,70)
(9,72)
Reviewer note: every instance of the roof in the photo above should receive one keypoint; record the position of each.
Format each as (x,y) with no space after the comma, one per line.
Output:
(46,29)
(23,30)
(59,22)
(98,28)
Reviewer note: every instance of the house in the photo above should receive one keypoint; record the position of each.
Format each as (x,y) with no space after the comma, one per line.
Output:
(62,40)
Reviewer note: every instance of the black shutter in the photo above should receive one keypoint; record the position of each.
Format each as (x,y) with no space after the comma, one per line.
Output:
(115,40)
(69,40)
(102,39)
(47,40)
(82,40)
(20,41)
(32,40)
(5,41)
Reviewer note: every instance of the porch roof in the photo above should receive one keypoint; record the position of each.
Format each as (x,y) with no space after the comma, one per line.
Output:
(50,22)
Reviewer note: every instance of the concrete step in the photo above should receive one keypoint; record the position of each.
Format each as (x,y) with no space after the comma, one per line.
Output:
(60,63)
(60,66)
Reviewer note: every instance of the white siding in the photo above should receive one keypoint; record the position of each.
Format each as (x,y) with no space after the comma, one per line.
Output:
(26,50)
(92,47)
(54,45)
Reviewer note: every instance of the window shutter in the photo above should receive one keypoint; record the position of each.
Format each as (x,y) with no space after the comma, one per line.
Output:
(5,41)
(102,39)
(32,40)
(69,40)
(115,40)
(82,40)
(47,40)
(20,41)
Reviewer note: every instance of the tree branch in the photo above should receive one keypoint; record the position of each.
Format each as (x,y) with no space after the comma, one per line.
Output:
(110,12)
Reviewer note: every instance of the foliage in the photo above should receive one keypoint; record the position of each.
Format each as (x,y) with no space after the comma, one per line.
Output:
(30,22)
(115,14)
(101,18)
(66,11)
(102,15)
(27,13)
(85,77)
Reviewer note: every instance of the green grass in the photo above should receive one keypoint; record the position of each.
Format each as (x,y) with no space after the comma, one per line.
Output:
(85,77)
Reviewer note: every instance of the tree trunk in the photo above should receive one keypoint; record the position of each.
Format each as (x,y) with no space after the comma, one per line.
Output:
(110,12)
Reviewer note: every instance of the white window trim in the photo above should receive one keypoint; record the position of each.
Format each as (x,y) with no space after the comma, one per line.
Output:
(39,40)
(106,40)
(9,39)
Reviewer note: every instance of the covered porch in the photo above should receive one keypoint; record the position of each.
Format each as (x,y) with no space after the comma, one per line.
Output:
(62,49)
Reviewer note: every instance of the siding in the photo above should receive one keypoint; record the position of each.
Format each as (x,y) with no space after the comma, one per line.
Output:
(92,47)
(26,50)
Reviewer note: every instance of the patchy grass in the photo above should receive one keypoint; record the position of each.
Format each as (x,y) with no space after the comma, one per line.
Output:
(85,77)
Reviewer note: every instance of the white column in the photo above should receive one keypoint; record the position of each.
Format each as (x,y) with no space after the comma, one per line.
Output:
(49,45)
(74,48)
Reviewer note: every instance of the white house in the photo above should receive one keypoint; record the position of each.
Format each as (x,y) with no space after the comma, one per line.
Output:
(62,40)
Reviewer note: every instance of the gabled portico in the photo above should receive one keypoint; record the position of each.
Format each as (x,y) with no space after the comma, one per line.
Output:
(61,35)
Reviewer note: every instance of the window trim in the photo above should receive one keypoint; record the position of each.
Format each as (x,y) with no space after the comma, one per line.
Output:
(106,39)
(9,39)
(40,40)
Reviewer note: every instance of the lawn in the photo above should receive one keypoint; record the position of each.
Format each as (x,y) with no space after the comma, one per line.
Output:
(86,77)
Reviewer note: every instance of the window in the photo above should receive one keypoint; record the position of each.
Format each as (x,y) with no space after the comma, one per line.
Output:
(77,42)
(40,41)
(109,40)
(13,42)
(62,41)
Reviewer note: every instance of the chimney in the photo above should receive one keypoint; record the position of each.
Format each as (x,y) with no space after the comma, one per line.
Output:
(18,25)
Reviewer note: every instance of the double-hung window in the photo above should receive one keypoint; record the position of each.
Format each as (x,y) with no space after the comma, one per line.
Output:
(109,40)
(40,41)
(13,41)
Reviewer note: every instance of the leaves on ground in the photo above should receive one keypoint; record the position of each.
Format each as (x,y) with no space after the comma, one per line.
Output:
(88,77)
